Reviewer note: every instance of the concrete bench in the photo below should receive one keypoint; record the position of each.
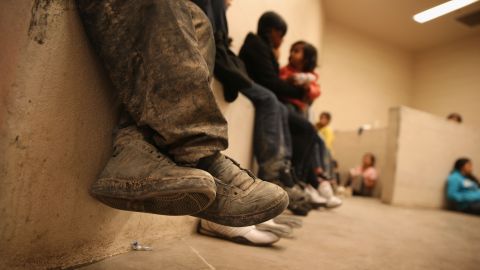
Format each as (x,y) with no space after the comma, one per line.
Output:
(56,117)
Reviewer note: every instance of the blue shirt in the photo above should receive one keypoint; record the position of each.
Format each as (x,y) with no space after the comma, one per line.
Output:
(462,190)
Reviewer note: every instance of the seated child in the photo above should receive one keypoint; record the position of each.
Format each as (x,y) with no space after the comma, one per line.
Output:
(300,72)
(363,178)
(463,189)
(325,130)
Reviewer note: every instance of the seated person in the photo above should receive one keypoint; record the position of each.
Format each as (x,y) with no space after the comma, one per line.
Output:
(300,72)
(258,53)
(463,189)
(362,179)
(325,130)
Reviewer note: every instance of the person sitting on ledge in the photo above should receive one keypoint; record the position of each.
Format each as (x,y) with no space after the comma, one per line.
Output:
(463,188)
(159,56)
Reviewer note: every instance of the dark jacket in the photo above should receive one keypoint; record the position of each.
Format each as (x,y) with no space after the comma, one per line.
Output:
(229,69)
(263,68)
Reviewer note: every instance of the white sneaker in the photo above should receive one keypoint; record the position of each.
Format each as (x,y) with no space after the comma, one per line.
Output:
(273,227)
(315,198)
(325,190)
(289,220)
(244,235)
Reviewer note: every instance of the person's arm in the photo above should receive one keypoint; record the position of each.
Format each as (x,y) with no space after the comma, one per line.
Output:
(370,177)
(314,91)
(455,194)
(226,70)
(328,136)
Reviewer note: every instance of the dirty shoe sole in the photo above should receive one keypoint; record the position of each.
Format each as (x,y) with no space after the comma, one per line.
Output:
(236,239)
(172,202)
(248,219)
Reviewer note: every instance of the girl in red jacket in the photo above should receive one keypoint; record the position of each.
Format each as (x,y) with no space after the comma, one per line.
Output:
(300,72)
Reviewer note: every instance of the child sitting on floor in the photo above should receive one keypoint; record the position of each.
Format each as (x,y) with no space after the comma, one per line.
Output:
(362,179)
(463,189)
(300,72)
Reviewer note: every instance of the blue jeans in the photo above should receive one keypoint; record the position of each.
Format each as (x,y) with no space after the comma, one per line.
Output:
(271,139)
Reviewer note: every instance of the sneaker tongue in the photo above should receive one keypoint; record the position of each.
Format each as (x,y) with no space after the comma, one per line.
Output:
(230,172)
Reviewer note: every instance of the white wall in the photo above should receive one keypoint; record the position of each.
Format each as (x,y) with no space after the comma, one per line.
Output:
(361,78)
(421,151)
(304,18)
(447,79)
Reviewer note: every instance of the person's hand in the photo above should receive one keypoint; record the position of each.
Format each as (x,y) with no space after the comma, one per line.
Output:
(291,80)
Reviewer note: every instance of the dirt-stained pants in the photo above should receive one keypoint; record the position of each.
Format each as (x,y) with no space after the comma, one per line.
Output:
(159,55)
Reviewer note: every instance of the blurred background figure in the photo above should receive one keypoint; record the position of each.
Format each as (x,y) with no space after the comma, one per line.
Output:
(363,178)
(455,117)
(463,188)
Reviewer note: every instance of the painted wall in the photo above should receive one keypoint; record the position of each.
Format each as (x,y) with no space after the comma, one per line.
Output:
(447,80)
(304,17)
(361,78)
(420,154)
(57,112)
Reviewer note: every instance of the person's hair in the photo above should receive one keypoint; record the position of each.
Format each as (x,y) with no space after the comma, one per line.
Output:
(455,116)
(327,115)
(309,55)
(271,20)
(458,166)
(373,159)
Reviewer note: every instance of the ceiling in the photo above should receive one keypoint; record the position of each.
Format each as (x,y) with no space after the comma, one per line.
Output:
(391,21)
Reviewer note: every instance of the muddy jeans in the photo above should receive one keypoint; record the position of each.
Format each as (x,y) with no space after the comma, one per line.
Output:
(159,55)
(271,139)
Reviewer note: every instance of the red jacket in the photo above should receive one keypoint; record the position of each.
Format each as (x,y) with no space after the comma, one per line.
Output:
(313,92)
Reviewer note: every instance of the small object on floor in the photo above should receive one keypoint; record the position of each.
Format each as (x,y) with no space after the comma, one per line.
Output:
(249,235)
(139,247)
(280,230)
(325,190)
(289,220)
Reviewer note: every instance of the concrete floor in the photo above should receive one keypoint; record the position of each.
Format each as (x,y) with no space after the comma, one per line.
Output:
(362,234)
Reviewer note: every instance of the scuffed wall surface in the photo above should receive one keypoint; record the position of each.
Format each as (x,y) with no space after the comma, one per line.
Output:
(56,115)
(427,146)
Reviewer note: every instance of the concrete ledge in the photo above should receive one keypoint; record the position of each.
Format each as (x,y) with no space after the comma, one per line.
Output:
(421,150)
(56,123)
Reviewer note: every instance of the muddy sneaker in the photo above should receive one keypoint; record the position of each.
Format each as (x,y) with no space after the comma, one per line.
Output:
(242,199)
(280,230)
(244,235)
(140,178)
(300,203)
(300,208)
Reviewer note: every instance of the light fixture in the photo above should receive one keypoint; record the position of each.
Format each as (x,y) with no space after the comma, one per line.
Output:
(441,10)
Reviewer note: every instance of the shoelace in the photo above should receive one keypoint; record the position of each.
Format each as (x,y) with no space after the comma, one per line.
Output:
(250,173)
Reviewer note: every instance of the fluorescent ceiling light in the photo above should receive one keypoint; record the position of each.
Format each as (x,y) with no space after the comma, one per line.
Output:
(441,10)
